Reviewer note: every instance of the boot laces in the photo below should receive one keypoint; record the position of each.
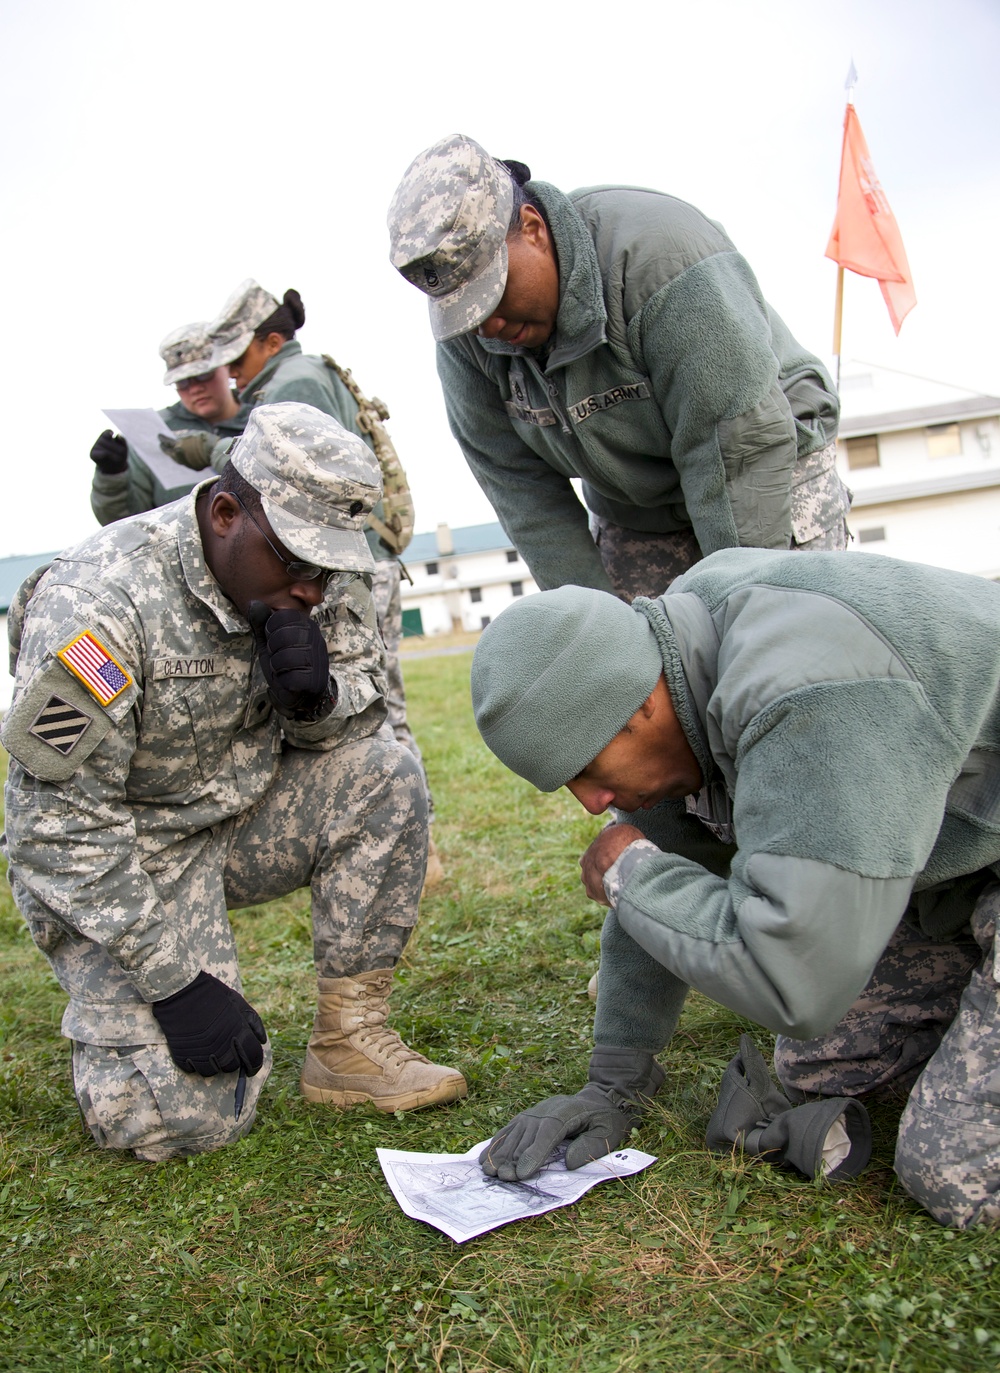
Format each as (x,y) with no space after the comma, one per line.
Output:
(375,1036)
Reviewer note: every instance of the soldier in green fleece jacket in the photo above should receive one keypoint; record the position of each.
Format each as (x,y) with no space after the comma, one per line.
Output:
(615,335)
(807,751)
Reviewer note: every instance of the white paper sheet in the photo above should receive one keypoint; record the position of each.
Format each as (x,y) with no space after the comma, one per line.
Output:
(142,429)
(452,1193)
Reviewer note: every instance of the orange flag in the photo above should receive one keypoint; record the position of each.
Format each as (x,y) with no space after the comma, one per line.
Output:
(865,236)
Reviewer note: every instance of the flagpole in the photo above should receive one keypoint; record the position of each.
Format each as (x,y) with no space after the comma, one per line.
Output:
(838,309)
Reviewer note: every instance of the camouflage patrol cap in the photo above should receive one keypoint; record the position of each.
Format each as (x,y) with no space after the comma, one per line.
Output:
(317,482)
(233,328)
(188,352)
(448,232)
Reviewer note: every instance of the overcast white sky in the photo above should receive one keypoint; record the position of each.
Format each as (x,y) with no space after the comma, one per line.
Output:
(155,154)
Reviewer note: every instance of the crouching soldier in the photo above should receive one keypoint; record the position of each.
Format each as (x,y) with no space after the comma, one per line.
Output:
(807,753)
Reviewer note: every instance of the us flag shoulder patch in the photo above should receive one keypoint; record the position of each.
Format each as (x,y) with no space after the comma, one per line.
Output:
(88,659)
(60,725)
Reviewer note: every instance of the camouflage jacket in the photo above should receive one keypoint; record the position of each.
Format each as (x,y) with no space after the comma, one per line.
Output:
(671,388)
(99,790)
(113,495)
(294,375)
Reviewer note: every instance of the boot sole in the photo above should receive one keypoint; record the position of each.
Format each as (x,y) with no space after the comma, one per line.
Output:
(451,1089)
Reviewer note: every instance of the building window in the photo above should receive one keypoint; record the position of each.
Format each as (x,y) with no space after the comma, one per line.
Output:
(517,588)
(432,569)
(943,441)
(874,534)
(862,452)
(475,594)
(512,555)
(484,621)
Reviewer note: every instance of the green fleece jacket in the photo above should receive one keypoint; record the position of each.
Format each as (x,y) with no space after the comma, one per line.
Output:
(113,495)
(671,388)
(294,375)
(845,712)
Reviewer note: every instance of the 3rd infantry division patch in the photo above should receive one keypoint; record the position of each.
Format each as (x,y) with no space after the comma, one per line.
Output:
(60,725)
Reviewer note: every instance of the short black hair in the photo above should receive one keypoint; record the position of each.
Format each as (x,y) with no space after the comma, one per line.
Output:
(234,484)
(520,175)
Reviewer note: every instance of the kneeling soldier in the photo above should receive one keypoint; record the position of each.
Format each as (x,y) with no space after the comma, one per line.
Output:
(198,724)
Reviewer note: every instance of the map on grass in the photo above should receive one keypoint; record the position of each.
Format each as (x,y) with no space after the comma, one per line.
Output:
(452,1193)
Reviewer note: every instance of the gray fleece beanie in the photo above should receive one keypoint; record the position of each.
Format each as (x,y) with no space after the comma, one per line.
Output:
(556,676)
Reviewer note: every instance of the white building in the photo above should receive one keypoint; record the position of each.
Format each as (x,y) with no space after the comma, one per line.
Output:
(923,461)
(461,579)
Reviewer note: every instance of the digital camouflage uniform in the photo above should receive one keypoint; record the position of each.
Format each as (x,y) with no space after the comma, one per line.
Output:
(134,822)
(669,387)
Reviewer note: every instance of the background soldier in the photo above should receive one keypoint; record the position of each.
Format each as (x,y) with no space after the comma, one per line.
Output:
(123,484)
(197,724)
(807,751)
(255,336)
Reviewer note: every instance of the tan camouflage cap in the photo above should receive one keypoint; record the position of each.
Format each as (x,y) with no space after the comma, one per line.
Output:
(188,352)
(317,482)
(448,232)
(233,328)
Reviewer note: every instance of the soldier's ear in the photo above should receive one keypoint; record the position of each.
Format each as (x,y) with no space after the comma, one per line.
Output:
(223,513)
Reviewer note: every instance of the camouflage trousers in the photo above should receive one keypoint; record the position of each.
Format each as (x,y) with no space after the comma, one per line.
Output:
(644,564)
(928,1023)
(351,824)
(386,581)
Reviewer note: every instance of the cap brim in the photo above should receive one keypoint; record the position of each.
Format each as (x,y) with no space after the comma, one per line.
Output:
(190,369)
(462,311)
(341,550)
(228,352)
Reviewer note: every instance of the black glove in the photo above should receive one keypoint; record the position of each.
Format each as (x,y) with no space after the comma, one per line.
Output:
(211,1029)
(595,1121)
(190,447)
(110,452)
(295,662)
(755,1116)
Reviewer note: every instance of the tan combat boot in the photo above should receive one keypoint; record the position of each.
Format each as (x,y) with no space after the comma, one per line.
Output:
(352,1057)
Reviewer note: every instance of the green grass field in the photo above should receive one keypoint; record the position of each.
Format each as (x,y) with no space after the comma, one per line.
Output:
(287,1251)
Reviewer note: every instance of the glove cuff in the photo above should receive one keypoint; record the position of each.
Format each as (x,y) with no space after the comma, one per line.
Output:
(629,1078)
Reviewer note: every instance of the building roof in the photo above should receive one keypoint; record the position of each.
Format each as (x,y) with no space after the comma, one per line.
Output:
(964,408)
(469,538)
(13,572)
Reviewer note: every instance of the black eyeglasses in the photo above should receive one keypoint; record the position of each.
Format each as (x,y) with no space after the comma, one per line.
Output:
(298,571)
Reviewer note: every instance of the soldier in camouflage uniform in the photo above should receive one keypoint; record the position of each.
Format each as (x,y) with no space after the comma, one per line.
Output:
(807,755)
(123,484)
(614,335)
(198,724)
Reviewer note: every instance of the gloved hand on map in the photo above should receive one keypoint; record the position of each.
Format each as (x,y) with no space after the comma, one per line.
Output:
(595,1120)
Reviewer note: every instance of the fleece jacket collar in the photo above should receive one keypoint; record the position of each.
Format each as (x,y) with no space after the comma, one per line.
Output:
(253,388)
(680,688)
(581,321)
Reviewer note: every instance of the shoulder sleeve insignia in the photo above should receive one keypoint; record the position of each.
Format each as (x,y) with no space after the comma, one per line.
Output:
(92,664)
(60,725)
